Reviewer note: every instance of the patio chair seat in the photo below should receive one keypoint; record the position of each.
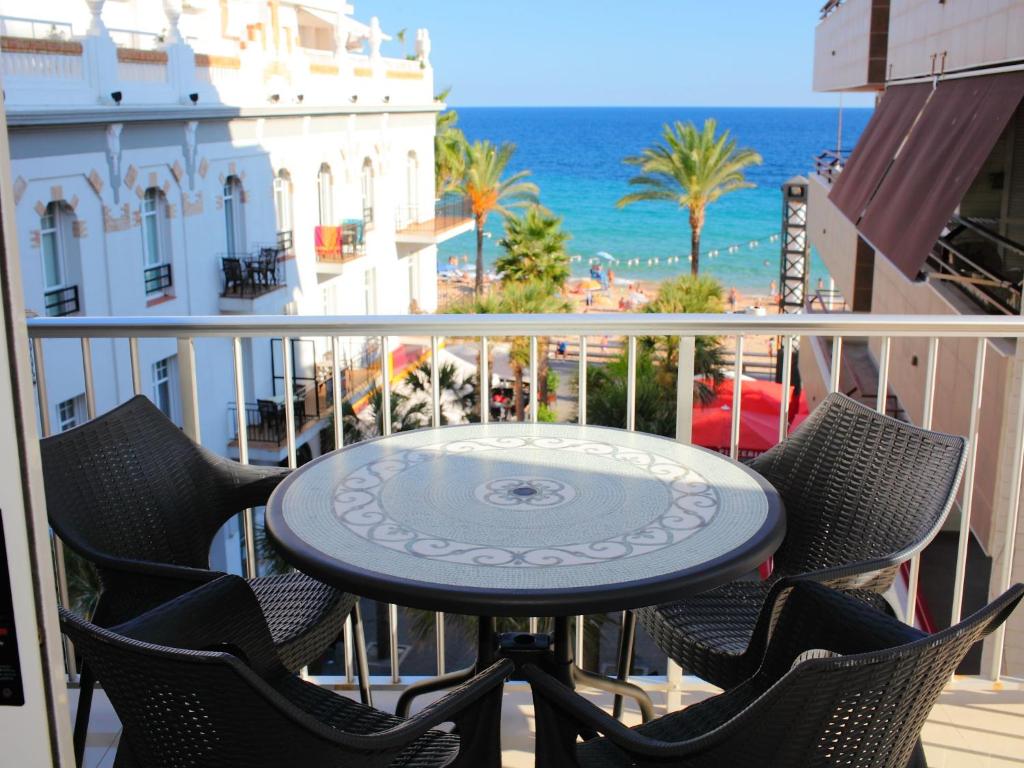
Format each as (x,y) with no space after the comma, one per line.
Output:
(712,631)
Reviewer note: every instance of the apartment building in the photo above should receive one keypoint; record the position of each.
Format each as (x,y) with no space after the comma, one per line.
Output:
(926,216)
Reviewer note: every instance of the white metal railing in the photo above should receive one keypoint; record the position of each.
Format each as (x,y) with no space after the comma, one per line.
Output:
(37,29)
(937,329)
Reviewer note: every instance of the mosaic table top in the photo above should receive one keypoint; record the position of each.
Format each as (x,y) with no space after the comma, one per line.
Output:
(523,515)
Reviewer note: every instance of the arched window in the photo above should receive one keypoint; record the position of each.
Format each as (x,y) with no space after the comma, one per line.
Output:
(367,184)
(61,266)
(234,218)
(283,200)
(325,194)
(412,180)
(156,248)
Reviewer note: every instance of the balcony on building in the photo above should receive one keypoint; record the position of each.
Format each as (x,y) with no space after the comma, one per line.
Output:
(850,45)
(341,244)
(449,217)
(250,276)
(61,302)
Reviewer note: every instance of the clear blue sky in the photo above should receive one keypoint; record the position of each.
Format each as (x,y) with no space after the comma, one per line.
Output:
(644,52)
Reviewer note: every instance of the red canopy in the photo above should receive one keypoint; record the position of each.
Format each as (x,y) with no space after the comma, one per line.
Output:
(759,417)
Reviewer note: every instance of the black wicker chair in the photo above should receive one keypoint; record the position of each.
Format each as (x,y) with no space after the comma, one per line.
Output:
(805,706)
(197,682)
(129,492)
(863,493)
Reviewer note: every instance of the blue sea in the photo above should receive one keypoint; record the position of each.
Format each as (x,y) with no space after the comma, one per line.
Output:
(575,156)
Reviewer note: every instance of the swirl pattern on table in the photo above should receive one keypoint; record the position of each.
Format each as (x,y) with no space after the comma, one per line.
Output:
(371,501)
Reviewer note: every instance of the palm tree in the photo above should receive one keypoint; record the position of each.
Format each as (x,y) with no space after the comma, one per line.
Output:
(688,294)
(692,168)
(488,192)
(534,248)
(449,150)
(458,394)
(534,297)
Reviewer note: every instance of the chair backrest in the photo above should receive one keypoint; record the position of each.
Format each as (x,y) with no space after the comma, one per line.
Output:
(192,683)
(130,484)
(865,707)
(269,410)
(232,270)
(858,485)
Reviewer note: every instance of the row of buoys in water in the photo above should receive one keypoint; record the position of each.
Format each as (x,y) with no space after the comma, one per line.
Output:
(656,261)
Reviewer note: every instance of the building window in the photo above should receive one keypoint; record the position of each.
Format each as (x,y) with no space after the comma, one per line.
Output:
(163,385)
(234,219)
(367,183)
(325,195)
(70,413)
(61,265)
(156,249)
(283,200)
(52,229)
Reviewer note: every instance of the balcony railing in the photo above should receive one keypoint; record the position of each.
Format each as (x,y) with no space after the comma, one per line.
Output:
(830,163)
(827,300)
(35,29)
(986,331)
(248,275)
(62,301)
(450,211)
(266,421)
(157,279)
(337,245)
(978,261)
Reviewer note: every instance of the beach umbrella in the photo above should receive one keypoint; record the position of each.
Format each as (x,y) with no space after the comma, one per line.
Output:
(606,256)
(759,417)
(589,285)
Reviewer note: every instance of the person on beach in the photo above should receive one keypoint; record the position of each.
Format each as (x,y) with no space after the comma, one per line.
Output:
(611,278)
(773,290)
(562,349)
(733,298)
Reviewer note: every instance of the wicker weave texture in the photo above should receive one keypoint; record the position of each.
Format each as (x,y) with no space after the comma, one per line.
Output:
(863,492)
(198,683)
(132,494)
(863,707)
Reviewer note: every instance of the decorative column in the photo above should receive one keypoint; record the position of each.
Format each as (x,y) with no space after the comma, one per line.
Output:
(96,26)
(172,10)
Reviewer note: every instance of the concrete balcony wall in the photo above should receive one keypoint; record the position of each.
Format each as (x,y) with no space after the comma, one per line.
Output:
(833,235)
(850,47)
(928,37)
(894,294)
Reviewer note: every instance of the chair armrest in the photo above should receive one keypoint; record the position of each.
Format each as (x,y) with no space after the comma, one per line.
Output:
(222,615)
(454,707)
(250,485)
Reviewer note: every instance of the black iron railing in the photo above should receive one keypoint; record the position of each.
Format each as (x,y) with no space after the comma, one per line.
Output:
(981,263)
(61,302)
(248,275)
(449,211)
(284,241)
(265,420)
(158,278)
(830,163)
(827,300)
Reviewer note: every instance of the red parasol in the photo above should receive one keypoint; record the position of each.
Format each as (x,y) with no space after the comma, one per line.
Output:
(759,417)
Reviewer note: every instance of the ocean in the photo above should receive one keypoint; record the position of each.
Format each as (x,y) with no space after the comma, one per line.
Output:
(574,154)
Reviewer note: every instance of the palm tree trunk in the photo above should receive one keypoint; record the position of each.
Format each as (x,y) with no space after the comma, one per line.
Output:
(694,251)
(696,225)
(517,391)
(478,287)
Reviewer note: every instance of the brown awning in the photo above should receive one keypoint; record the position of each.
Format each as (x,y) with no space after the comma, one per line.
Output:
(874,152)
(932,172)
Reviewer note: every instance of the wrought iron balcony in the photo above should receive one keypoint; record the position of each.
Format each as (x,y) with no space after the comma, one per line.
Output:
(62,301)
(158,279)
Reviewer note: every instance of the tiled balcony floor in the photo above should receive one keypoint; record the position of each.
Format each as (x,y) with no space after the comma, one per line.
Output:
(972,726)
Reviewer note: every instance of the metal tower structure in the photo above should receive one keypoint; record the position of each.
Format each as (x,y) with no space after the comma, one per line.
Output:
(794,271)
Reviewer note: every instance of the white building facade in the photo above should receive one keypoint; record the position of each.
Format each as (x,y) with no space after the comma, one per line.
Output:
(183,158)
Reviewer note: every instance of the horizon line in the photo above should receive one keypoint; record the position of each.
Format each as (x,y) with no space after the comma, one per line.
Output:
(649,106)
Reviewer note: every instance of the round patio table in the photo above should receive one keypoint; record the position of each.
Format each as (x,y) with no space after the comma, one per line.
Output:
(524,520)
